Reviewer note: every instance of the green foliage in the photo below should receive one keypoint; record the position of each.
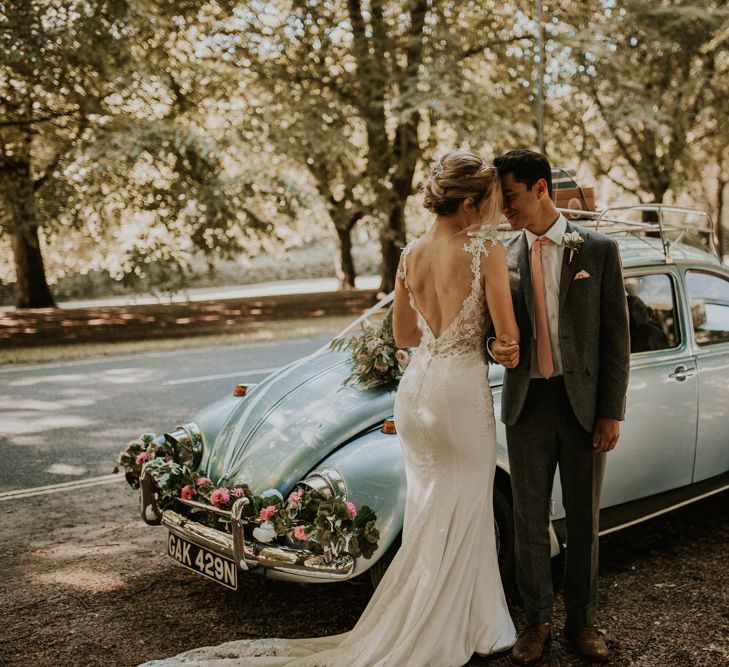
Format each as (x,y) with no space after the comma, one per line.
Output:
(361,95)
(641,86)
(103,138)
(374,355)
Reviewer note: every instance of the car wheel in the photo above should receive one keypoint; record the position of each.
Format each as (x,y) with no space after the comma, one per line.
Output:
(377,571)
(504,526)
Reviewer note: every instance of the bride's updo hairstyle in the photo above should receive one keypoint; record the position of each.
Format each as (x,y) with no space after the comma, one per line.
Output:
(457,176)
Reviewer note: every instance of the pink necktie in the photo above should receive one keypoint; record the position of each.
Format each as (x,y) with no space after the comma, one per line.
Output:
(544,350)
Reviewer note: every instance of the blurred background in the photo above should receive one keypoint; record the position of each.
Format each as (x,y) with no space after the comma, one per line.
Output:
(154,145)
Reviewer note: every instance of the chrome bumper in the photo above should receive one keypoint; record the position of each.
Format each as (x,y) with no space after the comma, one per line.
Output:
(246,554)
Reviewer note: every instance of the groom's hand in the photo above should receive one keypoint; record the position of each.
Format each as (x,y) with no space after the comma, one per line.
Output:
(605,435)
(506,351)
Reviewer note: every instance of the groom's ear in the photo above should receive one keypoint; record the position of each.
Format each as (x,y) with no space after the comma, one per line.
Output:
(540,188)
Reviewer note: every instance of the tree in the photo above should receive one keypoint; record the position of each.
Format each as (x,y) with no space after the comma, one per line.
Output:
(643,83)
(50,88)
(104,127)
(363,91)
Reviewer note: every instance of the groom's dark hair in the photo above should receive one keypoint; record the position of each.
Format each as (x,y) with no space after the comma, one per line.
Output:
(526,166)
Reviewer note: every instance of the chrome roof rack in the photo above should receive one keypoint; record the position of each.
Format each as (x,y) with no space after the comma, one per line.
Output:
(619,224)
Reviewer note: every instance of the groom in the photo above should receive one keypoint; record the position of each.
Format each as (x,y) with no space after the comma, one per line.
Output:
(563,403)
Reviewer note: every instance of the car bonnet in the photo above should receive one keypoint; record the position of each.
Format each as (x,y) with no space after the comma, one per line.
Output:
(290,422)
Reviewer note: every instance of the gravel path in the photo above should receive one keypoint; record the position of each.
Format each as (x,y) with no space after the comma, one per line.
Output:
(86,583)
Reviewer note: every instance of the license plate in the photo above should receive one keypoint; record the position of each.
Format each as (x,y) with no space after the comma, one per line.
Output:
(200,560)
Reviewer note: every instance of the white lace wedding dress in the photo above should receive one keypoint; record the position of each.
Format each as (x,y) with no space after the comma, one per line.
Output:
(441,600)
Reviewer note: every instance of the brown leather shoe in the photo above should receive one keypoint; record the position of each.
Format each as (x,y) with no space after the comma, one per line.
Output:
(588,642)
(530,645)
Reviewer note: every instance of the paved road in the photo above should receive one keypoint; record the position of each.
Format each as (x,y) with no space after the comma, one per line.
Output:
(61,422)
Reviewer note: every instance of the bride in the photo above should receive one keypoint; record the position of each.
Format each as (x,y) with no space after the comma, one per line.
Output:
(441,600)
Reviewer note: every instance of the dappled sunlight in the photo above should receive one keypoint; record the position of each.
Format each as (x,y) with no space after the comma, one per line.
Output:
(65,469)
(73,551)
(82,579)
(14,404)
(127,375)
(70,378)
(28,440)
(24,423)
(22,417)
(112,376)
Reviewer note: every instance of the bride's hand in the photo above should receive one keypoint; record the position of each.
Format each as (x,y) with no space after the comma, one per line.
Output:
(506,351)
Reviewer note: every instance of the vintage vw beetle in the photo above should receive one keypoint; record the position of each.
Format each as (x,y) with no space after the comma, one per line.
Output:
(302,426)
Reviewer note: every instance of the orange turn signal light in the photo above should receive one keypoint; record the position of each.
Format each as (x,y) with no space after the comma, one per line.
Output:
(240,390)
(388,427)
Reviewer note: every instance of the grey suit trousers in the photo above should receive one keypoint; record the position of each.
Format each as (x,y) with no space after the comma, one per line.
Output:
(548,435)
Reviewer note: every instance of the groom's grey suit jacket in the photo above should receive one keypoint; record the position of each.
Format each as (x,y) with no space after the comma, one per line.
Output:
(594,337)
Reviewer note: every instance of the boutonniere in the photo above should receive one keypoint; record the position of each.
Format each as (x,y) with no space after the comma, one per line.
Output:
(573,241)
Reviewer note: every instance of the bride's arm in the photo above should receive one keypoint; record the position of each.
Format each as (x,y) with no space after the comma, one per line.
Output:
(404,318)
(498,293)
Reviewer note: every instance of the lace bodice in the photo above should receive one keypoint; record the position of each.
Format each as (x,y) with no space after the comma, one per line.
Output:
(467,331)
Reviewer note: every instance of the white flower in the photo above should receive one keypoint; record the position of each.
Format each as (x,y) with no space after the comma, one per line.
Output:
(403,359)
(573,242)
(272,492)
(265,532)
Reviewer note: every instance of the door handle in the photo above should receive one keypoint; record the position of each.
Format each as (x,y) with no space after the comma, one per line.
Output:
(680,373)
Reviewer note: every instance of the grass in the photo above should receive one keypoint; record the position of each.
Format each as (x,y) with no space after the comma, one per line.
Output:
(273,331)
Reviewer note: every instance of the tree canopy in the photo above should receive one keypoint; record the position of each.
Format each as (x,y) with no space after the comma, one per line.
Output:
(156,131)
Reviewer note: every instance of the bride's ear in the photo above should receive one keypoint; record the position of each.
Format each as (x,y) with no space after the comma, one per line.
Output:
(469,205)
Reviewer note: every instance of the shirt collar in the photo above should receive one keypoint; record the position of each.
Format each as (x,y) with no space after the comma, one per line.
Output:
(555,233)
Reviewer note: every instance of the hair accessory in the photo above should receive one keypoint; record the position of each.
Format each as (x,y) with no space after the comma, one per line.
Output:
(438,170)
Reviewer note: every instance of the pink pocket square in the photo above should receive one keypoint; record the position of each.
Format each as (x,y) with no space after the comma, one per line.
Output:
(581,274)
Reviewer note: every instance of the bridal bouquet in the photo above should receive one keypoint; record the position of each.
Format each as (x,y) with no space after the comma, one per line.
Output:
(375,358)
(327,526)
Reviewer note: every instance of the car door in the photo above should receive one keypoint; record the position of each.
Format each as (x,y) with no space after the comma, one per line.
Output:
(658,440)
(708,297)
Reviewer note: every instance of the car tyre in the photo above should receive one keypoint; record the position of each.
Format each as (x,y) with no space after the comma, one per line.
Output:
(377,571)
(504,524)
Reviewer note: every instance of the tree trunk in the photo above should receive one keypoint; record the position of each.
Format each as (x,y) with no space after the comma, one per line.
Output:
(344,263)
(720,187)
(658,192)
(18,195)
(31,288)
(392,241)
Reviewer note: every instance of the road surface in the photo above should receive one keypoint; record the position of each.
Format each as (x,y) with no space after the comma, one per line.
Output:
(66,421)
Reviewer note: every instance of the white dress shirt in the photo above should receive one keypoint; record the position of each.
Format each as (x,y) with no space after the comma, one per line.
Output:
(552,255)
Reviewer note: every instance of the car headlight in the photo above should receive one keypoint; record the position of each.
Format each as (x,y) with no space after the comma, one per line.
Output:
(187,443)
(327,481)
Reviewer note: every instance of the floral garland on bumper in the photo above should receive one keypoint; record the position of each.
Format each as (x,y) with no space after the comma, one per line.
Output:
(327,526)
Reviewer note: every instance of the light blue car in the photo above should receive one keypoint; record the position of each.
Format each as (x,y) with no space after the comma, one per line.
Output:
(302,425)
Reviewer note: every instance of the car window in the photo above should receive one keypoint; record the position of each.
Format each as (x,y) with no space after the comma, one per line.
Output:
(709,299)
(652,310)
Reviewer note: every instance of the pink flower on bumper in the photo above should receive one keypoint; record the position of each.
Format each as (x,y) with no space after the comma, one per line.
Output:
(238,492)
(203,481)
(220,497)
(267,512)
(295,497)
(300,533)
(142,457)
(188,492)
(351,509)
